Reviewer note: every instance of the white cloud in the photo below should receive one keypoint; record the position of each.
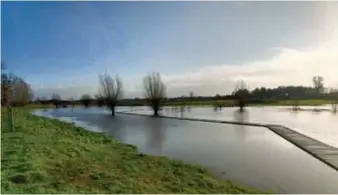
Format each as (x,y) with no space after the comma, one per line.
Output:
(288,67)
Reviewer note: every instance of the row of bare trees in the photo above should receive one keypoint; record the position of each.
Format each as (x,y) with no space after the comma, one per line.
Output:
(111,91)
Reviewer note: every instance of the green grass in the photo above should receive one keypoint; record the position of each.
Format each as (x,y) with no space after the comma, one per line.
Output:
(199,103)
(311,102)
(50,156)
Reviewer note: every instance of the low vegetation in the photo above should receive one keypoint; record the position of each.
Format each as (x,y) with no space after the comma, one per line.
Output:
(50,156)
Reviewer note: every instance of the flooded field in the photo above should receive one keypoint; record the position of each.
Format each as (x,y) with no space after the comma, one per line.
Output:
(251,155)
(322,126)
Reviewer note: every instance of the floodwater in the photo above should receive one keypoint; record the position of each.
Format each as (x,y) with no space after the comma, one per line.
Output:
(322,126)
(253,156)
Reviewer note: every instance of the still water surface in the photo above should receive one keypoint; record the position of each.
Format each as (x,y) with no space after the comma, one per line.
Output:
(251,155)
(322,126)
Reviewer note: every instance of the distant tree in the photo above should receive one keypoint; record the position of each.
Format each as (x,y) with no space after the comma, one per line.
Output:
(111,90)
(99,100)
(56,100)
(72,102)
(217,103)
(191,95)
(183,100)
(318,84)
(44,100)
(154,91)
(85,100)
(37,100)
(334,99)
(241,93)
(282,92)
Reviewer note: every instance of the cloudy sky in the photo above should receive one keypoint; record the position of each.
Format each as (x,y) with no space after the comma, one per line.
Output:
(205,47)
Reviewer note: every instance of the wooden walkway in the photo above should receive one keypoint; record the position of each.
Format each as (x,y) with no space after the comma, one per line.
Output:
(323,152)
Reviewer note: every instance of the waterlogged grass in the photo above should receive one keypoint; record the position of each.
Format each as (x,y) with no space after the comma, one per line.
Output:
(200,103)
(50,156)
(311,102)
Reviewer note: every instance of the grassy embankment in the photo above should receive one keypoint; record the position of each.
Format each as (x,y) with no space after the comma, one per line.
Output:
(50,156)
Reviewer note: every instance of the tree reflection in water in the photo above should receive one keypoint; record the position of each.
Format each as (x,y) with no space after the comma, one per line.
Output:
(241,117)
(156,135)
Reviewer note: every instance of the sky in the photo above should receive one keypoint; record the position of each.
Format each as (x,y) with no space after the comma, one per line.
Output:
(204,47)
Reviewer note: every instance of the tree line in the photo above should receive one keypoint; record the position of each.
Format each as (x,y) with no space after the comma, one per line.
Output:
(110,93)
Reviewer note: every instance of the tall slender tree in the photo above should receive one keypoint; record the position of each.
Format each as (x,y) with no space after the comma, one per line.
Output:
(318,84)
(154,91)
(241,93)
(111,90)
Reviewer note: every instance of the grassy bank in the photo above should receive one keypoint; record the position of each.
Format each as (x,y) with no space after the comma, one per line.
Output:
(50,156)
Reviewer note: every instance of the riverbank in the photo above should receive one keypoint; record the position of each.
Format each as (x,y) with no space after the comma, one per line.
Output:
(225,103)
(50,156)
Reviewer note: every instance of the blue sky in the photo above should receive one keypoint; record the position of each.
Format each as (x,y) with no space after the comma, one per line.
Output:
(62,46)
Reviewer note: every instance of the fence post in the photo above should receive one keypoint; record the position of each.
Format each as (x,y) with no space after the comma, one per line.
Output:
(11,119)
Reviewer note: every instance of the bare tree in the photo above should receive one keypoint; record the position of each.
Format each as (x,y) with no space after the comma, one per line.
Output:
(318,84)
(111,90)
(99,100)
(334,99)
(21,92)
(154,91)
(37,100)
(241,93)
(44,100)
(71,101)
(56,100)
(6,95)
(15,91)
(191,95)
(85,100)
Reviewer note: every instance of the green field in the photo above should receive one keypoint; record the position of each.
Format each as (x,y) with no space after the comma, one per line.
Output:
(50,156)
(311,102)
(200,103)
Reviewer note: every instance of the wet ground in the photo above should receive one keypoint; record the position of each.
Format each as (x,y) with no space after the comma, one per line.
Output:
(254,156)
